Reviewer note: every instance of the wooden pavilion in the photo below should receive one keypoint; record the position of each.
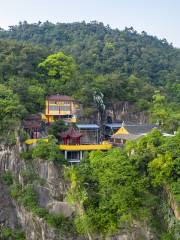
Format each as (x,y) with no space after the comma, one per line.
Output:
(71,136)
(32,125)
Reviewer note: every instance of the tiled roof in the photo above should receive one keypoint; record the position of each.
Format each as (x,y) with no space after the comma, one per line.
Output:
(31,124)
(126,136)
(139,129)
(32,117)
(134,131)
(59,97)
(71,133)
(32,121)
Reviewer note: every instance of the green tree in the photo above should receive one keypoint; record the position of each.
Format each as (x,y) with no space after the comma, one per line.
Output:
(165,167)
(9,104)
(167,115)
(60,71)
(35,98)
(11,112)
(57,127)
(48,150)
(112,192)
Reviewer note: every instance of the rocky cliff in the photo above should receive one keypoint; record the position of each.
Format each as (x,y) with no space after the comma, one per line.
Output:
(50,186)
(50,190)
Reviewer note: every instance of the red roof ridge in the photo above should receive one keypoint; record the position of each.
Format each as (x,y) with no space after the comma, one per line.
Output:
(71,133)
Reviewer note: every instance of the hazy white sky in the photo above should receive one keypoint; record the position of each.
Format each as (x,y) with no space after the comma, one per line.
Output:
(156,17)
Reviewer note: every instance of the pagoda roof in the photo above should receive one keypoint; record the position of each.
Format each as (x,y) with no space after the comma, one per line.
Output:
(70,133)
(139,128)
(33,117)
(126,136)
(132,131)
(59,97)
(31,125)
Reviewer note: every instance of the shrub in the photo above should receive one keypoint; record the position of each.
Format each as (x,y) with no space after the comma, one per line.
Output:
(16,190)
(28,198)
(7,233)
(40,212)
(57,127)
(55,220)
(48,150)
(26,155)
(167,236)
(60,222)
(29,176)
(7,178)
(23,135)
(25,196)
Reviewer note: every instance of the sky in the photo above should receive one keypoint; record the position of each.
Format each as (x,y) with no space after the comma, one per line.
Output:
(157,17)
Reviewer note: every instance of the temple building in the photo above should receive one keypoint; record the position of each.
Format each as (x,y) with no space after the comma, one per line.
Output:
(76,141)
(90,133)
(33,126)
(72,143)
(60,107)
(71,136)
(130,132)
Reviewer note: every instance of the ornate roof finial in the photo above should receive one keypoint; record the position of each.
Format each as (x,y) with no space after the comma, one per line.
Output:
(123,124)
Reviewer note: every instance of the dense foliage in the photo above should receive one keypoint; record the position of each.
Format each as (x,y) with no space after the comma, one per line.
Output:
(11,112)
(7,178)
(57,127)
(7,233)
(121,66)
(104,69)
(115,189)
(48,150)
(18,71)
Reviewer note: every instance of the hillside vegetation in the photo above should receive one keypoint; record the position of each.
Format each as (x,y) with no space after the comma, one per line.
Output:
(104,69)
(116,189)
(122,66)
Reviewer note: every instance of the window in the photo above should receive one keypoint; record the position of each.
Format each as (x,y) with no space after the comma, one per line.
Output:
(65,108)
(66,103)
(53,108)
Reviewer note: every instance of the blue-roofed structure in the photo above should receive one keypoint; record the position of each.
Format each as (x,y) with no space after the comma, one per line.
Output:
(90,133)
(87,126)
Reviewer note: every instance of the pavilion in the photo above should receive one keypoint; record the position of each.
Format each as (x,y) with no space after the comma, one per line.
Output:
(74,150)
(131,132)
(32,125)
(71,136)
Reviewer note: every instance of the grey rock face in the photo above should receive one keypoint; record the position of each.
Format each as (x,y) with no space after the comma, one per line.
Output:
(51,195)
(61,208)
(8,214)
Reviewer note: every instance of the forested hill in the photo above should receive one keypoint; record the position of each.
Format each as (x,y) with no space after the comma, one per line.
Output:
(123,65)
(100,49)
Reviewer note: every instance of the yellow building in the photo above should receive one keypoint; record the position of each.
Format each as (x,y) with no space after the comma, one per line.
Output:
(75,153)
(60,107)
